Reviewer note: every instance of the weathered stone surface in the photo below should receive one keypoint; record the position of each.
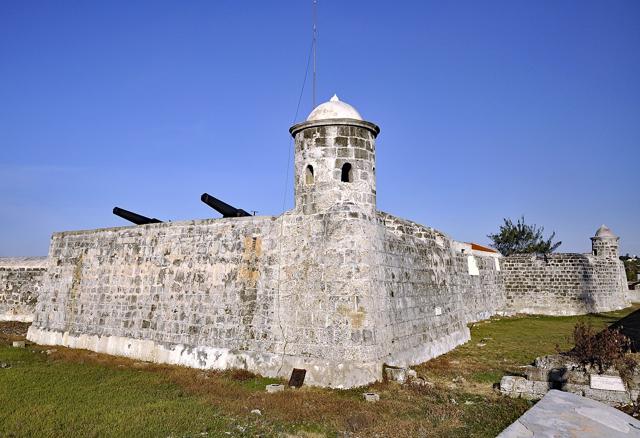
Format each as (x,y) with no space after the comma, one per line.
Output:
(564,414)
(274,387)
(395,374)
(564,284)
(520,387)
(371,397)
(20,281)
(401,375)
(613,398)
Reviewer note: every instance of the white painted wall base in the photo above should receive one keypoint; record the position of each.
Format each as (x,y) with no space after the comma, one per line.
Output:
(426,352)
(319,372)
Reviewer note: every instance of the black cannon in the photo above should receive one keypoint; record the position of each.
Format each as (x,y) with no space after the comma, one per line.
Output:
(223,208)
(136,218)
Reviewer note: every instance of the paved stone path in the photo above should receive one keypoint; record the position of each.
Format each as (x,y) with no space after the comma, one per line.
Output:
(562,414)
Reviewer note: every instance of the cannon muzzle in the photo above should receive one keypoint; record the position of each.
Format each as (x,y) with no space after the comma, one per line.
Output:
(136,218)
(223,208)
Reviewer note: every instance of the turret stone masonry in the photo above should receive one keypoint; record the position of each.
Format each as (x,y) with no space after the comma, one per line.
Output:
(333,286)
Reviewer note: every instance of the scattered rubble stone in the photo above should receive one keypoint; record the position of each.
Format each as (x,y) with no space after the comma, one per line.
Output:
(401,375)
(419,381)
(274,387)
(371,397)
(563,373)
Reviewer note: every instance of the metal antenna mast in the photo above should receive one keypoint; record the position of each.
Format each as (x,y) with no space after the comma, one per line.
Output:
(315,44)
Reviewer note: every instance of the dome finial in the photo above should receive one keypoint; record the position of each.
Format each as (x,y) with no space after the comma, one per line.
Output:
(334,109)
(604,231)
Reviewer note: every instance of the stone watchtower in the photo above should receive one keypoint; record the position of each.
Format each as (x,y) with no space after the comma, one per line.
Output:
(605,243)
(335,159)
(334,238)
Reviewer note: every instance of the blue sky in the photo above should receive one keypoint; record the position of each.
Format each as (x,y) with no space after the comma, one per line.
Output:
(488,109)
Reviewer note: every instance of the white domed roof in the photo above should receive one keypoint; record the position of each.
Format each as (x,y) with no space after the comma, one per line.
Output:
(334,109)
(604,231)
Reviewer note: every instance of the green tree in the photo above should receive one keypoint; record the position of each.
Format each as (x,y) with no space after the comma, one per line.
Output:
(631,267)
(520,238)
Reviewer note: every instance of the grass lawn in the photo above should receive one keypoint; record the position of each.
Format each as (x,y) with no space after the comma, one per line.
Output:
(58,392)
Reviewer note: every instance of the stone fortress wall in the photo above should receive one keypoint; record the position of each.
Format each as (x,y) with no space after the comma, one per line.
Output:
(563,284)
(20,282)
(333,286)
(266,294)
(161,292)
(432,288)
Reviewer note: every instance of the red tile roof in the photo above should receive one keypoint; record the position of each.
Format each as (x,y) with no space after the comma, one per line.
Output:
(481,248)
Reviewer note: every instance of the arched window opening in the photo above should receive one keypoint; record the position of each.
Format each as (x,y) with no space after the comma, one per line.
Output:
(347,173)
(308,175)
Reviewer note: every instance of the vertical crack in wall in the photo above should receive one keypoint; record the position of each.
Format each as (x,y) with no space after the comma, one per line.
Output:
(74,291)
(249,275)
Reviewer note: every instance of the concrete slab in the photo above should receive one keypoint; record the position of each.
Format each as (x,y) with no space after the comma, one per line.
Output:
(562,414)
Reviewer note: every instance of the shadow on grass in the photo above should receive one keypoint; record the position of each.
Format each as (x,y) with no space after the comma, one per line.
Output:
(630,327)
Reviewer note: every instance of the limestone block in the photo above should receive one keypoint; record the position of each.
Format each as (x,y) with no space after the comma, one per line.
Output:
(540,388)
(513,384)
(531,396)
(614,398)
(274,387)
(371,397)
(577,377)
(397,374)
(521,385)
(536,373)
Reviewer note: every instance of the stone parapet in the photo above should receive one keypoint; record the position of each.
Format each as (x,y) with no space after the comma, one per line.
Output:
(563,284)
(20,282)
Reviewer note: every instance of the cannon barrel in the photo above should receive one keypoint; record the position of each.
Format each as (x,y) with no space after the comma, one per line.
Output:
(136,218)
(223,208)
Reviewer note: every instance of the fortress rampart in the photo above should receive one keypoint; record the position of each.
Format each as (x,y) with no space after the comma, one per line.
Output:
(431,287)
(333,286)
(266,294)
(563,284)
(20,282)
